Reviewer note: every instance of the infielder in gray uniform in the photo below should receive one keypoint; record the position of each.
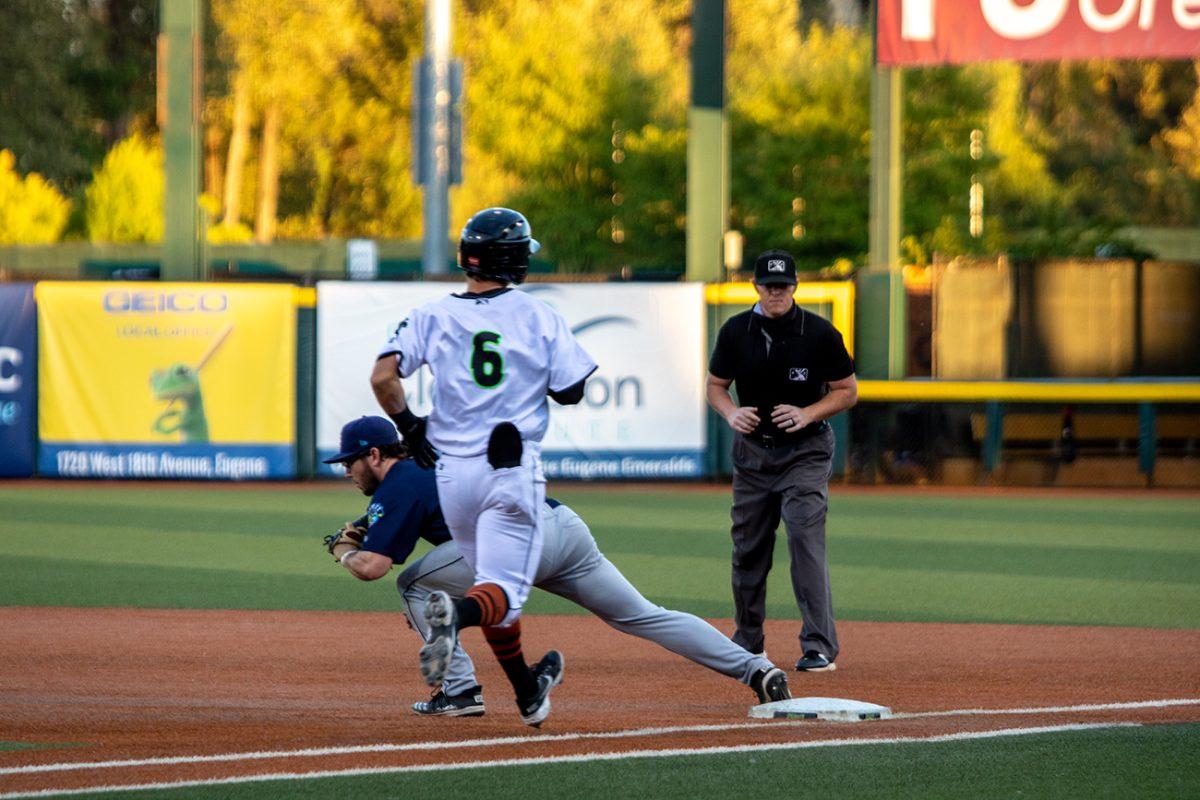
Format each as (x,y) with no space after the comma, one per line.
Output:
(573,567)
(404,508)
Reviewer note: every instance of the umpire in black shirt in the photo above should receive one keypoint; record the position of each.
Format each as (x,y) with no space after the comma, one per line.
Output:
(792,372)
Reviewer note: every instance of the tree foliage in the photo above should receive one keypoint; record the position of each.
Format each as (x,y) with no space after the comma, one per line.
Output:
(1102,125)
(565,106)
(1183,140)
(31,210)
(576,113)
(78,74)
(799,119)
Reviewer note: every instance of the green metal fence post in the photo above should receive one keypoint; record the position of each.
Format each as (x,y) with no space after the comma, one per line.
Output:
(1147,439)
(993,439)
(306,391)
(841,442)
(707,144)
(181,68)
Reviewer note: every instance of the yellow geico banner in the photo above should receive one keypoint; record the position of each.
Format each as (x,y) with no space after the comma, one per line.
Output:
(166,379)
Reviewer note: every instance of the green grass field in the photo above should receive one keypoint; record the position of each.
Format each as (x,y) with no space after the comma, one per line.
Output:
(1156,762)
(1075,559)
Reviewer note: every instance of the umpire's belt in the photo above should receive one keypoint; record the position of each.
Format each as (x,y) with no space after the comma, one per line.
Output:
(782,441)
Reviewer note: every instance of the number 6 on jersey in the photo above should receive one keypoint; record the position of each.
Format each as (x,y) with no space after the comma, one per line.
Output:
(487,365)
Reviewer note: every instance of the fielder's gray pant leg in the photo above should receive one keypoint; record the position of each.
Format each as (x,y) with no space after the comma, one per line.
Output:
(755,515)
(573,567)
(441,569)
(805,489)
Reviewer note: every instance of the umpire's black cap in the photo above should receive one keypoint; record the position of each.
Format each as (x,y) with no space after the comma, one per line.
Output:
(361,435)
(775,267)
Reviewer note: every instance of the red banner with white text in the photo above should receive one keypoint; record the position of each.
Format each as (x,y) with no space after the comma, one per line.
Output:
(927,32)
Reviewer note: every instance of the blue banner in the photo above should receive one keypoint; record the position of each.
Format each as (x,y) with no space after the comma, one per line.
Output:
(18,379)
(230,462)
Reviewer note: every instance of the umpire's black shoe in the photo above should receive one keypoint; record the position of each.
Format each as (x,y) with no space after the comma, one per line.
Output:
(770,685)
(548,673)
(815,661)
(464,704)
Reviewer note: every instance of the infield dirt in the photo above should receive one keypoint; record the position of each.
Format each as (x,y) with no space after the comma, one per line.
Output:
(88,685)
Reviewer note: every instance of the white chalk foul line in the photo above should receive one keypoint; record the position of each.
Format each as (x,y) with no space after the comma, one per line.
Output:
(981,712)
(389,748)
(560,737)
(579,758)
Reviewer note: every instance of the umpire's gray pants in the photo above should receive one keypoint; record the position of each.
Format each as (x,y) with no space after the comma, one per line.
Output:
(792,484)
(573,567)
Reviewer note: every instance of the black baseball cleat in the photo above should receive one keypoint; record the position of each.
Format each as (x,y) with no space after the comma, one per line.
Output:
(443,637)
(815,661)
(770,685)
(463,704)
(548,673)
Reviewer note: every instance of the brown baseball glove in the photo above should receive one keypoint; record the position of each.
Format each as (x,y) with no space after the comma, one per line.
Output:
(350,536)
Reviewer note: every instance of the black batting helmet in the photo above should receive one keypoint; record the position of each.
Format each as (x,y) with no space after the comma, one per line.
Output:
(496,245)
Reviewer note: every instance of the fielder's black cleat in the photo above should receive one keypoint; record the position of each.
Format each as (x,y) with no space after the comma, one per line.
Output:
(770,685)
(464,704)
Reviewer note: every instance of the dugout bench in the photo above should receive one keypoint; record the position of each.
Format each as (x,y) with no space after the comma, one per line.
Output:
(1125,432)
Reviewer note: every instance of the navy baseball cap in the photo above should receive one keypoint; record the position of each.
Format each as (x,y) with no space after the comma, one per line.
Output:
(361,435)
(775,267)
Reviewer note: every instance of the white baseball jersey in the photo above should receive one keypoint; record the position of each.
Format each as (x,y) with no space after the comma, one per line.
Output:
(494,356)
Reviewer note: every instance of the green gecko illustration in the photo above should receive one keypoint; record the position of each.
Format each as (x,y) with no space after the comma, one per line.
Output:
(179,385)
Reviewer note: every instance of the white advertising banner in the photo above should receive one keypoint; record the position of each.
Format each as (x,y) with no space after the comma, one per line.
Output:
(643,414)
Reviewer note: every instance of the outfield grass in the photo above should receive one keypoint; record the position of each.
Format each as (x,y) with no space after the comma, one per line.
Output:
(1066,560)
(1160,761)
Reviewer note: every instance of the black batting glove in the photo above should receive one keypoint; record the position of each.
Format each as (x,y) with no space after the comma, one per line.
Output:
(412,428)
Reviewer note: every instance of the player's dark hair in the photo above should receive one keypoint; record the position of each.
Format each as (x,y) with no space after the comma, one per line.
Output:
(394,450)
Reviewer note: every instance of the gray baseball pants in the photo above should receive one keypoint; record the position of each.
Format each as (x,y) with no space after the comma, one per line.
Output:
(792,484)
(573,567)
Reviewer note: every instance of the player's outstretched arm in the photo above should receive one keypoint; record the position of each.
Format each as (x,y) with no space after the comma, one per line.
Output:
(345,547)
(389,393)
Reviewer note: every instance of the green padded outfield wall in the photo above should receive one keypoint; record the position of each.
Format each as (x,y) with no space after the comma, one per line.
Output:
(1170,319)
(972,311)
(1078,319)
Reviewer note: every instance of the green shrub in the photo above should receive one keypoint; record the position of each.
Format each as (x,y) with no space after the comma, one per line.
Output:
(32,211)
(125,199)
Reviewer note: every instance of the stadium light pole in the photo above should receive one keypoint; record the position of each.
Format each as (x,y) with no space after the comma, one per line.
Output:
(437,134)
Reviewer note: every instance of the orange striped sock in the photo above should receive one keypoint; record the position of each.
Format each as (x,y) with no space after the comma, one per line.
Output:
(506,644)
(492,602)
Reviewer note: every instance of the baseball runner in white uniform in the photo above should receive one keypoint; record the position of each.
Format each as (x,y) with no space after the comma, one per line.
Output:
(496,355)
